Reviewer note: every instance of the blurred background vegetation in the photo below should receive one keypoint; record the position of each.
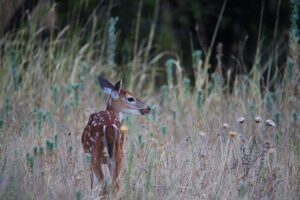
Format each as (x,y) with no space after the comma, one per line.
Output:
(150,27)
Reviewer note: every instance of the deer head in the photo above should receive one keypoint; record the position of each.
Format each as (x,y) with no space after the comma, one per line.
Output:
(121,100)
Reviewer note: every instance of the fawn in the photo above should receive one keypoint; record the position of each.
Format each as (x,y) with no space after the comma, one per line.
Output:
(102,137)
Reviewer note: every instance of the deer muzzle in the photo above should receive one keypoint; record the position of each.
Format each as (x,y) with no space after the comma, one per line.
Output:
(145,110)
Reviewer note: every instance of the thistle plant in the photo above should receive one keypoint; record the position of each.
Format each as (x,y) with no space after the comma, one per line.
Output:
(197,58)
(294,18)
(290,69)
(148,177)
(165,94)
(111,40)
(131,155)
(78,195)
(199,100)
(54,93)
(169,68)
(88,158)
(49,146)
(8,107)
(55,141)
(75,93)
(14,70)
(141,143)
(174,115)
(198,72)
(251,107)
(41,116)
(276,118)
(30,161)
(82,76)
(269,101)
(1,124)
(243,190)
(216,82)
(41,151)
(186,87)
(36,151)
(163,129)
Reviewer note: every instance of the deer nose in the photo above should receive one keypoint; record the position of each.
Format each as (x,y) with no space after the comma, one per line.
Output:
(145,110)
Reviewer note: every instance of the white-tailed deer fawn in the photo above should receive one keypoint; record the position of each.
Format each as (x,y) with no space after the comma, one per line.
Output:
(102,137)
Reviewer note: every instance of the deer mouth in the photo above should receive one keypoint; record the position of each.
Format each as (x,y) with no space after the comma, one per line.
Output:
(145,110)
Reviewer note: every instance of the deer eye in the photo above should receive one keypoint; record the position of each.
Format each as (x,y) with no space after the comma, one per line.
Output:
(130,99)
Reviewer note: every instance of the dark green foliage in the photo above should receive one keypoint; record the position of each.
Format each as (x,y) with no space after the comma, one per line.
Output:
(30,162)
(75,92)
(54,93)
(169,68)
(174,115)
(41,150)
(41,116)
(269,101)
(78,195)
(216,82)
(111,40)
(50,146)
(187,87)
(1,124)
(55,140)
(88,158)
(294,19)
(8,107)
(165,94)
(141,143)
(163,129)
(14,70)
(197,57)
(295,116)
(243,189)
(82,76)
(276,118)
(199,100)
(35,151)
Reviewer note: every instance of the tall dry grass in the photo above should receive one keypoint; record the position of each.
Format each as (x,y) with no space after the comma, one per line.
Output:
(198,144)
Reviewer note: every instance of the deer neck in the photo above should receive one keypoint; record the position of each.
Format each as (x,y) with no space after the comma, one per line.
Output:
(111,108)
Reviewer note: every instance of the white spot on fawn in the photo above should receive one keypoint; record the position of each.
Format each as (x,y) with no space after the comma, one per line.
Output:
(104,128)
(115,126)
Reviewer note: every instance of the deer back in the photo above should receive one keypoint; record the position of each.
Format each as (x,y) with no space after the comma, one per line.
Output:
(103,128)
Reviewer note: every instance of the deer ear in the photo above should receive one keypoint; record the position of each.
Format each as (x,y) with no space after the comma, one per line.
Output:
(105,85)
(116,91)
(118,86)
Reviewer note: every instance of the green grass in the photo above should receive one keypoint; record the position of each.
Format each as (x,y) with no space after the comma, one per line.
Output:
(181,151)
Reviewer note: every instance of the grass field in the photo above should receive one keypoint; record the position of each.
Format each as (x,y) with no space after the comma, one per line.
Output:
(201,142)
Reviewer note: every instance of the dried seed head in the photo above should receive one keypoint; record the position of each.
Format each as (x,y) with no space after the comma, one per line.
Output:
(232,134)
(124,129)
(267,145)
(225,125)
(202,133)
(257,119)
(269,122)
(272,150)
(241,120)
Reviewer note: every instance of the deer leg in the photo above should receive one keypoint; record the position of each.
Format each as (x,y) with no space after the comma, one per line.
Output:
(96,173)
(118,163)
